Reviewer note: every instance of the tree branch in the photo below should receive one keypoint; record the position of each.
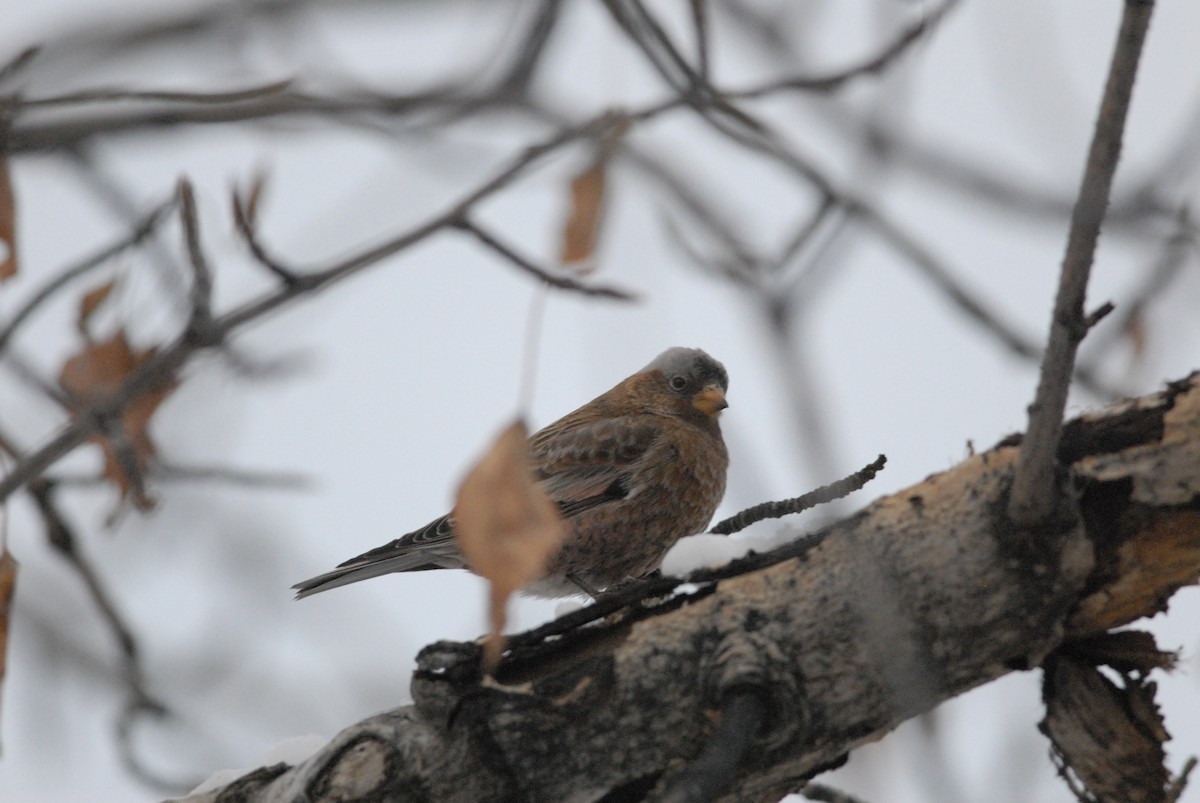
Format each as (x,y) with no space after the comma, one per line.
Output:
(921,596)
(1035,489)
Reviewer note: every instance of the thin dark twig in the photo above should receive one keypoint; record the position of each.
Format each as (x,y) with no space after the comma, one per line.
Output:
(161,471)
(1100,313)
(1034,491)
(554,280)
(246,227)
(700,26)
(836,79)
(200,322)
(140,231)
(786,507)
(62,538)
(521,71)
(744,710)
(18,62)
(98,95)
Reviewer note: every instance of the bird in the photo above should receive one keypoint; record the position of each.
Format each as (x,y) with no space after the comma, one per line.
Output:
(631,472)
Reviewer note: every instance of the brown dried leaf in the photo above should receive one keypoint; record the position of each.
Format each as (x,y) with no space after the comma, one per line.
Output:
(90,302)
(583,223)
(98,371)
(506,525)
(1108,738)
(8,224)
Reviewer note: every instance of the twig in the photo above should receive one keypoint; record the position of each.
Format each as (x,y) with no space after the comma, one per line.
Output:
(836,79)
(744,710)
(98,95)
(1034,490)
(162,367)
(161,472)
(521,71)
(246,227)
(700,26)
(200,298)
(554,280)
(786,507)
(18,62)
(143,228)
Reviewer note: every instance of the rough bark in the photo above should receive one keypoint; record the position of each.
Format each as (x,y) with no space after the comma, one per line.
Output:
(919,597)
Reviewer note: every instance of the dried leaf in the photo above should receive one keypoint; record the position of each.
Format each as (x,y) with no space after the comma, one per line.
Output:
(583,223)
(90,302)
(8,584)
(506,525)
(1106,737)
(98,371)
(8,224)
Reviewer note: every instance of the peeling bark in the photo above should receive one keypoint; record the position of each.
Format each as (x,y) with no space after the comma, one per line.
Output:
(916,599)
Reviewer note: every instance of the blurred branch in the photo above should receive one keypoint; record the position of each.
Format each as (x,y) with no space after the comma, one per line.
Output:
(141,230)
(1035,490)
(554,280)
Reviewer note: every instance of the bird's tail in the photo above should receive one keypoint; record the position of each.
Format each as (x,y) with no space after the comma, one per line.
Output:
(363,570)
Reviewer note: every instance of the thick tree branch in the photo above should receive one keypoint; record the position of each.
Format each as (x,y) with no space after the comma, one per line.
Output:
(920,597)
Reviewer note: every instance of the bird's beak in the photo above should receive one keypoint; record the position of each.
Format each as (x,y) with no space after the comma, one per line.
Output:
(710,400)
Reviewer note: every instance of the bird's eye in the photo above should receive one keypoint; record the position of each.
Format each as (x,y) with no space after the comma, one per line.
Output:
(678,382)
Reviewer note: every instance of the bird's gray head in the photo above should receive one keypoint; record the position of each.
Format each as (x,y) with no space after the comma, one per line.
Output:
(693,374)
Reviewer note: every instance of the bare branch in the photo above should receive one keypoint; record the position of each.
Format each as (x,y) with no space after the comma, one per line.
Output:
(143,228)
(200,322)
(1035,490)
(786,507)
(554,280)
(99,95)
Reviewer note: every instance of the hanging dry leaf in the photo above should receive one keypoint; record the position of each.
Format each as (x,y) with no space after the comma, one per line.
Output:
(583,222)
(506,526)
(90,302)
(8,223)
(8,584)
(99,370)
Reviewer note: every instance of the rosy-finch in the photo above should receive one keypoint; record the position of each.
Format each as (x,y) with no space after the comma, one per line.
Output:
(632,472)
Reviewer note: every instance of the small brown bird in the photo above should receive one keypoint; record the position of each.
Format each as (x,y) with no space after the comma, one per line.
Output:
(632,472)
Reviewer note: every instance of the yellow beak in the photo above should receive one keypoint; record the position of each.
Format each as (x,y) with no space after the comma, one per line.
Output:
(710,400)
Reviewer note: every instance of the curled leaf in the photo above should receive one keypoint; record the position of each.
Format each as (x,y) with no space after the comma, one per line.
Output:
(99,370)
(583,222)
(506,525)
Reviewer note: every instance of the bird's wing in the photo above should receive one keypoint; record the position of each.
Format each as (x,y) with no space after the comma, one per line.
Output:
(587,463)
